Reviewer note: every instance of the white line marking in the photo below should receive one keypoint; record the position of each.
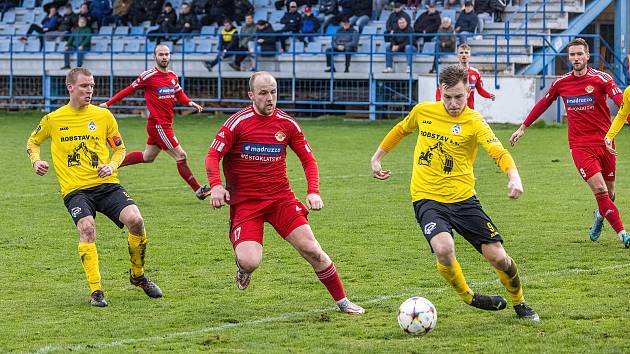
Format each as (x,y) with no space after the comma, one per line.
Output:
(291,315)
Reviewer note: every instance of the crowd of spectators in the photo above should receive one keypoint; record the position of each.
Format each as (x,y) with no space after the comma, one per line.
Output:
(348,18)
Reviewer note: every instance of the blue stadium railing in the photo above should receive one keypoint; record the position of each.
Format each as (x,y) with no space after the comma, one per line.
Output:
(386,94)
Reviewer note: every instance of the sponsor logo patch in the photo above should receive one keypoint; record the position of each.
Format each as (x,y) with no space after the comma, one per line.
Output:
(456,129)
(280,136)
(580,100)
(262,149)
(75,211)
(589,89)
(165,91)
(92,126)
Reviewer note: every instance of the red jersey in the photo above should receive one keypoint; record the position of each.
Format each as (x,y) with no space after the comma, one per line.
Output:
(161,90)
(253,148)
(585,102)
(474,83)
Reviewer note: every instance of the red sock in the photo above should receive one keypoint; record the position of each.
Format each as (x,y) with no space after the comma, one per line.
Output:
(331,281)
(133,158)
(608,210)
(186,173)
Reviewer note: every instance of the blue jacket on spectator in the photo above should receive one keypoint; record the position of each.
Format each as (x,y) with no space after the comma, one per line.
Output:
(100,8)
(310,24)
(50,23)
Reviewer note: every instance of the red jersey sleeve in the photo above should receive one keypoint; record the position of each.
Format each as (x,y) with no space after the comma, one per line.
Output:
(613,91)
(304,152)
(137,84)
(542,105)
(180,95)
(438,94)
(222,143)
(482,91)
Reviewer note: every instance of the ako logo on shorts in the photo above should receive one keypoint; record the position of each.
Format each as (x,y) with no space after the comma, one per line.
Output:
(280,136)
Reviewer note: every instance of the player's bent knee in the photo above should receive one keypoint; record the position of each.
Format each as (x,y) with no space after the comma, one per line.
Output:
(249,263)
(87,230)
(135,224)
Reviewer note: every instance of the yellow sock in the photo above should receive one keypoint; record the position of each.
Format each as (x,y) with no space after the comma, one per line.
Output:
(512,283)
(89,260)
(455,277)
(137,247)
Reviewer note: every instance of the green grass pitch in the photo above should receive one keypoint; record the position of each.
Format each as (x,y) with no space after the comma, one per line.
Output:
(580,288)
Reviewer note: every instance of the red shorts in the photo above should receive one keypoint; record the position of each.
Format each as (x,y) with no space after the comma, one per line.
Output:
(590,160)
(162,135)
(247,219)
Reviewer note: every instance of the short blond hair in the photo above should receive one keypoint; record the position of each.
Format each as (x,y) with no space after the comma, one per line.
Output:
(71,76)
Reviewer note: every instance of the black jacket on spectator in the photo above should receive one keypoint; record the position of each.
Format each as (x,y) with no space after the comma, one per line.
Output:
(167,22)
(200,6)
(400,40)
(428,23)
(242,8)
(292,22)
(467,21)
(268,42)
(328,7)
(145,10)
(190,19)
(346,8)
(482,6)
(362,8)
(68,22)
(392,20)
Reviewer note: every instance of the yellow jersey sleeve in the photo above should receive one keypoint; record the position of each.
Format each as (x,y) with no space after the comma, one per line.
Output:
(492,144)
(115,143)
(622,116)
(38,136)
(400,130)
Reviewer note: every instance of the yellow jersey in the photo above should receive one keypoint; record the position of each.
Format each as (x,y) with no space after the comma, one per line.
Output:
(79,140)
(622,115)
(446,150)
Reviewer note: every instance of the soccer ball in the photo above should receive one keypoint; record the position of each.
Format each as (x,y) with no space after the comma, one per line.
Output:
(417,316)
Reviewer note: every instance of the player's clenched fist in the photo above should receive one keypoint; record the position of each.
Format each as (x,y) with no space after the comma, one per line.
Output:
(219,196)
(314,202)
(40,167)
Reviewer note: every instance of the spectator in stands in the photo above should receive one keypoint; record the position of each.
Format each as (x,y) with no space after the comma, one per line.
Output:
(484,12)
(453,5)
(200,7)
(242,8)
(446,41)
(346,8)
(187,21)
(399,43)
(310,25)
(248,31)
(292,21)
(392,21)
(328,9)
(6,6)
(167,22)
(79,42)
(427,23)
(413,4)
(346,40)
(467,23)
(217,11)
(498,6)
(102,11)
(145,10)
(48,24)
(227,45)
(361,13)
(121,12)
(69,19)
(266,42)
(84,11)
(284,4)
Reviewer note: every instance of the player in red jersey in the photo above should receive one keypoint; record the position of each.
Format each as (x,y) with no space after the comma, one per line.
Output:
(474,78)
(253,144)
(161,90)
(584,92)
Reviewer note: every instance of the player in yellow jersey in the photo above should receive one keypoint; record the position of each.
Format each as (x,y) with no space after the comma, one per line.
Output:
(622,117)
(442,187)
(79,134)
